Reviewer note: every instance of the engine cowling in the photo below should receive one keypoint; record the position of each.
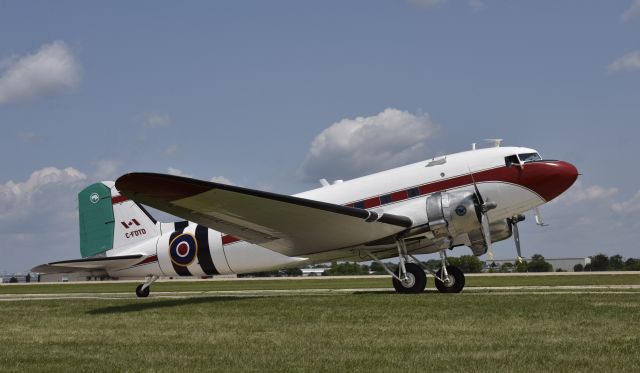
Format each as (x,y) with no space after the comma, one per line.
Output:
(456,216)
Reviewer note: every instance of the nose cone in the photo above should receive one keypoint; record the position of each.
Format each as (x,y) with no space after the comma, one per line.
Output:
(551,178)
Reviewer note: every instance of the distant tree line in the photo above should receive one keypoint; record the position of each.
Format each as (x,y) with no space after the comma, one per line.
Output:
(601,262)
(467,263)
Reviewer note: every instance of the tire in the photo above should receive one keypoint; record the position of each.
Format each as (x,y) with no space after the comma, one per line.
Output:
(457,281)
(418,280)
(142,293)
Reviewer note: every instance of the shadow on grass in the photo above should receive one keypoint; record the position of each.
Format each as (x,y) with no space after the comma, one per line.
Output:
(368,292)
(143,304)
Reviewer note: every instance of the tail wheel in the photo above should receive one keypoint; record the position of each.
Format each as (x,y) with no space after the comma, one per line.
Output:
(143,293)
(416,280)
(454,283)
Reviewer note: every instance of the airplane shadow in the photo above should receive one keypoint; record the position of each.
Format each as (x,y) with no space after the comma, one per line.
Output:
(143,304)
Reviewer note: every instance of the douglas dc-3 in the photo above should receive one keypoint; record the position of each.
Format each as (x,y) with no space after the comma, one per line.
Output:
(468,199)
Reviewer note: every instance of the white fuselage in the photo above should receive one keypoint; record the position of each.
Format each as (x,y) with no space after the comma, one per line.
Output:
(400,191)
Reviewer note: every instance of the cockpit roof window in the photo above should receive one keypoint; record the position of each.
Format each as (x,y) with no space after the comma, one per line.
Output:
(529,157)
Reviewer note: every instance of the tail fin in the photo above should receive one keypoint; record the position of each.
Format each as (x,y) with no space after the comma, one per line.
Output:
(110,221)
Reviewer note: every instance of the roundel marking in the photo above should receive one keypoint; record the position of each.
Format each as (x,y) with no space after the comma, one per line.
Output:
(183,249)
(94,198)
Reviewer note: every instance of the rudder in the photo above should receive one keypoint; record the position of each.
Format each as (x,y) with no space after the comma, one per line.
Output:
(111,221)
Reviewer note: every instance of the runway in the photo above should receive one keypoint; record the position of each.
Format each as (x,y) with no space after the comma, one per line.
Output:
(496,290)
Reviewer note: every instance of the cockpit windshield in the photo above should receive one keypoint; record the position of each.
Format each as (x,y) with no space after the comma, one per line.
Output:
(529,157)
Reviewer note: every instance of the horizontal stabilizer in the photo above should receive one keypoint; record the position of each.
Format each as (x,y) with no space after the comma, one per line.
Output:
(90,265)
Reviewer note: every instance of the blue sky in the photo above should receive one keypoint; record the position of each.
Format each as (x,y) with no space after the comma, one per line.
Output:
(240,90)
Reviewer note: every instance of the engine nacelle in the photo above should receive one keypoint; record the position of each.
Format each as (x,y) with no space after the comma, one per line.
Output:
(452,214)
(456,215)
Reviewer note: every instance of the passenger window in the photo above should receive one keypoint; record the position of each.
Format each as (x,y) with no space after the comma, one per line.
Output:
(385,199)
(512,160)
(413,192)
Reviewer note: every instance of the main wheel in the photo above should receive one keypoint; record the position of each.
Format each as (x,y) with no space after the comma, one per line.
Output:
(142,293)
(416,280)
(454,283)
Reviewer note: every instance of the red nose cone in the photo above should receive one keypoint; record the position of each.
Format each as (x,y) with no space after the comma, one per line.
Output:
(551,178)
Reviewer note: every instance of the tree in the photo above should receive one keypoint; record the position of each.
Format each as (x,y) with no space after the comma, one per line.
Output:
(346,268)
(470,264)
(632,264)
(538,264)
(292,272)
(376,268)
(521,266)
(454,261)
(615,263)
(599,262)
(578,268)
(506,267)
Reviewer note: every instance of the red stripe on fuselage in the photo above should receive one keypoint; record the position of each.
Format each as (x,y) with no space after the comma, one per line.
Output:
(228,239)
(547,179)
(118,199)
(150,259)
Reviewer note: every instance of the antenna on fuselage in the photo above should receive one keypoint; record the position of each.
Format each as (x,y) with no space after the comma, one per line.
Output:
(496,142)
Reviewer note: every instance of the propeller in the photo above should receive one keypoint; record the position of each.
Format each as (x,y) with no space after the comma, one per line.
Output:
(539,220)
(485,207)
(516,234)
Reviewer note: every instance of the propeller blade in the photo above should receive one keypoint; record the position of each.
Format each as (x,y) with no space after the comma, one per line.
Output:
(475,186)
(516,237)
(486,232)
(538,217)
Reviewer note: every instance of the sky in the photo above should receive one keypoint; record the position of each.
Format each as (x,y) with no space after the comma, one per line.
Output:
(276,95)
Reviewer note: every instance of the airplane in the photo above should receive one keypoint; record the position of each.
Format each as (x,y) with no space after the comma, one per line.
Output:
(472,198)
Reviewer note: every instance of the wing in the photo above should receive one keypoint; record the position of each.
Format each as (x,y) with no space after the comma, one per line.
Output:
(289,225)
(89,265)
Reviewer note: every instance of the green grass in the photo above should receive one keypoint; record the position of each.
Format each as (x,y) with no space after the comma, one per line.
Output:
(320,283)
(361,332)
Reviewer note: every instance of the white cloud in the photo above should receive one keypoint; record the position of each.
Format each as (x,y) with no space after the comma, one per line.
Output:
(427,4)
(221,180)
(629,206)
(177,172)
(628,62)
(21,194)
(39,218)
(580,193)
(632,12)
(354,147)
(50,71)
(155,120)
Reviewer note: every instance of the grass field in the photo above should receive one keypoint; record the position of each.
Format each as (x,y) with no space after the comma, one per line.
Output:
(350,331)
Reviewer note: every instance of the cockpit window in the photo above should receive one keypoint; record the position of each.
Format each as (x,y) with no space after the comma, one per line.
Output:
(512,160)
(529,157)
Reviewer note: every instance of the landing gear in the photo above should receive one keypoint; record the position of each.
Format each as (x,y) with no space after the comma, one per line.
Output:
(414,281)
(451,282)
(449,279)
(143,290)
(411,277)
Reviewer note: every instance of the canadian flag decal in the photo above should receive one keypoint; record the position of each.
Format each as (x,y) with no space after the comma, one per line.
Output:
(130,224)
